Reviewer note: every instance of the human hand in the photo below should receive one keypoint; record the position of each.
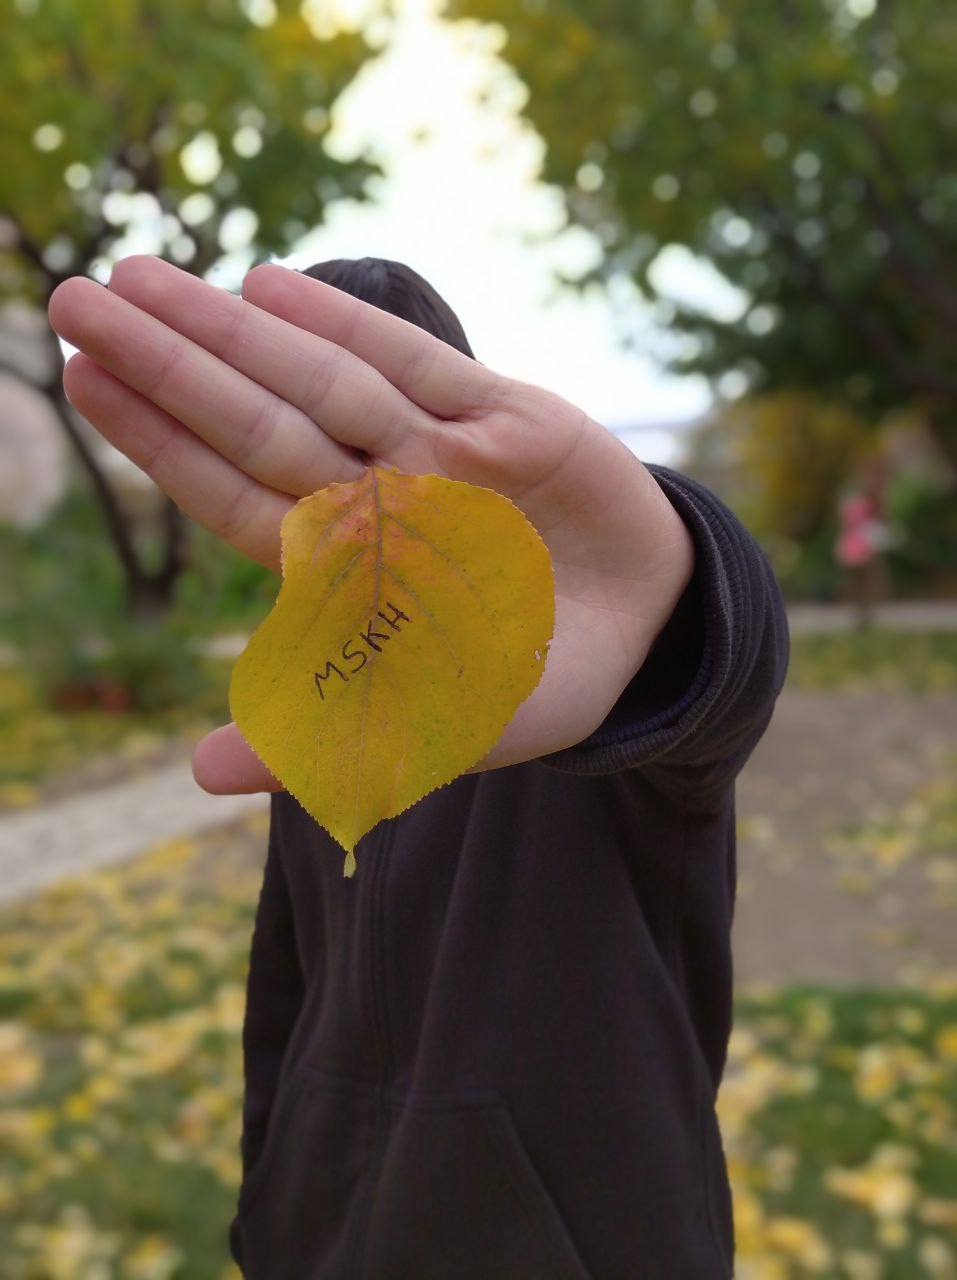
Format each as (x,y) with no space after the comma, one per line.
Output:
(238,407)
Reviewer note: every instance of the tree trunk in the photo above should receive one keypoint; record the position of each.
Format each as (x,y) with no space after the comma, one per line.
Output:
(148,594)
(149,598)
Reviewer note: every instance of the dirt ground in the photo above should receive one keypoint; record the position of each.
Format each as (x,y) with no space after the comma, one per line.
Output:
(879,908)
(813,906)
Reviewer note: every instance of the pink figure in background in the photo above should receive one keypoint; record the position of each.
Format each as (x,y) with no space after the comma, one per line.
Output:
(863,536)
(860,514)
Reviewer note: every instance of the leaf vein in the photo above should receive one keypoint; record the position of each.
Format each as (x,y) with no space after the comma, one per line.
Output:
(343,511)
(492,614)
(432,618)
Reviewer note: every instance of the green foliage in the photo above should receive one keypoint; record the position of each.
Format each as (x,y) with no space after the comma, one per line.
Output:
(923,508)
(807,149)
(40,742)
(61,596)
(150,667)
(62,608)
(781,461)
(221,590)
(64,559)
(66,620)
(794,454)
(65,568)
(108,111)
(807,569)
(103,98)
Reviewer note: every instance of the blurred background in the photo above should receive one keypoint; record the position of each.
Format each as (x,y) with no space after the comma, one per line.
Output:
(728,232)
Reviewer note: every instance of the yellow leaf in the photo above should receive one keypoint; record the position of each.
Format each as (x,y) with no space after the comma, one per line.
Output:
(413,620)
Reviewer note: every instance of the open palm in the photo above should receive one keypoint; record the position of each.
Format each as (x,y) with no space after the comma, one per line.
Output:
(238,407)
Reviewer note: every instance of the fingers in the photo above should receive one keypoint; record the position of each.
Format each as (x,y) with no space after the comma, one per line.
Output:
(225,765)
(425,369)
(264,435)
(346,397)
(207,487)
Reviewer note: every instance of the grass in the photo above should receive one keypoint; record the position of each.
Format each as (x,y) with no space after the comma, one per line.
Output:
(911,662)
(839,1116)
(121,1002)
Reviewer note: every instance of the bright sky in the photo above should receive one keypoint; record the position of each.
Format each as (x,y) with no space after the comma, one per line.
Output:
(461,204)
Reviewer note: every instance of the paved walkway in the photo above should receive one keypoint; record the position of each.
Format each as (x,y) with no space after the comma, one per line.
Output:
(803,619)
(806,909)
(880,910)
(108,825)
(895,615)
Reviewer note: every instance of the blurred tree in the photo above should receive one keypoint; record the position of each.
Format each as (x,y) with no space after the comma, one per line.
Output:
(781,459)
(207,119)
(805,148)
(792,454)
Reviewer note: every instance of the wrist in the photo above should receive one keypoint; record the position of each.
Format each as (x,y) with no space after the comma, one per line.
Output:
(667,580)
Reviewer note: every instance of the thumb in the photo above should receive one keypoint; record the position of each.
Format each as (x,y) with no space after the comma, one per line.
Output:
(225,765)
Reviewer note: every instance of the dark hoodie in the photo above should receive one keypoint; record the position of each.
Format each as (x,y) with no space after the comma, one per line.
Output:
(493,1054)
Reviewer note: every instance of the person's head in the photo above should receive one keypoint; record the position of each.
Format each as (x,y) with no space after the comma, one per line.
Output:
(394,287)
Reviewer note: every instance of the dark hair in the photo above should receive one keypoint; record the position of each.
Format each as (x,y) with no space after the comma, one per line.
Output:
(394,287)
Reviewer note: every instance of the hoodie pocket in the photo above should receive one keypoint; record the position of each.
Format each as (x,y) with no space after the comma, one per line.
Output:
(457,1198)
(295,1212)
(279,1119)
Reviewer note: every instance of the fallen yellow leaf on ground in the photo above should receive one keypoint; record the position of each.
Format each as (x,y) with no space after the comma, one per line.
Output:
(413,620)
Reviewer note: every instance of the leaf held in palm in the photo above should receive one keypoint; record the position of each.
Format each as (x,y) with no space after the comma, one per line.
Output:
(413,620)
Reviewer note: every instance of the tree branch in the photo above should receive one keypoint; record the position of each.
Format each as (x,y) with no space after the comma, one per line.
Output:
(8,366)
